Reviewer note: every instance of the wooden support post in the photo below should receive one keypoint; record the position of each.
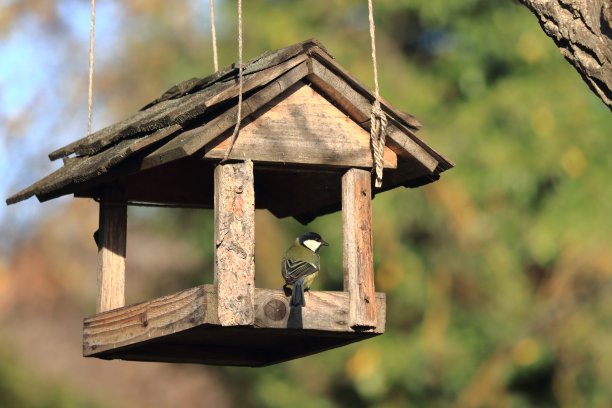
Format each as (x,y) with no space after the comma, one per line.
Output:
(358,261)
(235,243)
(111,240)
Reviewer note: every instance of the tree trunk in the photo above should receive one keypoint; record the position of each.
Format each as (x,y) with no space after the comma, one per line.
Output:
(582,29)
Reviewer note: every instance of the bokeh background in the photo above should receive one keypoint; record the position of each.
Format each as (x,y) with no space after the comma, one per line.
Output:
(498,277)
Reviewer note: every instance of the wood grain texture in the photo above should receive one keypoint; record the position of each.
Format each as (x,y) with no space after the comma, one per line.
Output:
(148,320)
(189,142)
(398,133)
(201,112)
(235,243)
(190,99)
(111,249)
(252,81)
(358,261)
(79,170)
(192,315)
(359,107)
(302,127)
(352,82)
(326,310)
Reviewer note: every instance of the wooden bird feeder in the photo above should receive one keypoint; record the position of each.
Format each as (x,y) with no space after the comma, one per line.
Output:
(303,151)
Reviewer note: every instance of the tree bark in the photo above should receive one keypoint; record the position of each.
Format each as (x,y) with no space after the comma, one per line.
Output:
(582,29)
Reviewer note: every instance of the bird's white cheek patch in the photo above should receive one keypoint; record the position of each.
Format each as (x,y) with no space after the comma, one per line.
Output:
(312,245)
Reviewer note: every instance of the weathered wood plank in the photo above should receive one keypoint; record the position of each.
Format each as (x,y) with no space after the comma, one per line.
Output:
(255,66)
(328,61)
(196,105)
(326,310)
(253,81)
(111,249)
(359,106)
(128,127)
(94,166)
(358,261)
(184,311)
(37,187)
(191,86)
(235,243)
(301,127)
(148,320)
(398,129)
(409,149)
(271,58)
(80,169)
(348,100)
(188,100)
(357,93)
(192,99)
(193,140)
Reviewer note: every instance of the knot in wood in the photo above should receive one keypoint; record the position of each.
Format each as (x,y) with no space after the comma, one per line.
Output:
(275,310)
(144,319)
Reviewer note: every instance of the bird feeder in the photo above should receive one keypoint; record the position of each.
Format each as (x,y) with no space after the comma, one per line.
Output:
(305,126)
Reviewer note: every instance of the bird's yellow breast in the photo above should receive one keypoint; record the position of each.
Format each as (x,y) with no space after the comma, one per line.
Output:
(309,279)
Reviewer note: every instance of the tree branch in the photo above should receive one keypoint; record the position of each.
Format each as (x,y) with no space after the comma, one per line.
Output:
(582,29)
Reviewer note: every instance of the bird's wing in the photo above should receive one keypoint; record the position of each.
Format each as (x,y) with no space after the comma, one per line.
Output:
(296,269)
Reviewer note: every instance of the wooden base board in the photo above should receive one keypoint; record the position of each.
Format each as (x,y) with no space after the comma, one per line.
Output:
(234,346)
(184,328)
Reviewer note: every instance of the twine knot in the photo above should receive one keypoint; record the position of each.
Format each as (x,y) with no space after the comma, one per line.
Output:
(378,132)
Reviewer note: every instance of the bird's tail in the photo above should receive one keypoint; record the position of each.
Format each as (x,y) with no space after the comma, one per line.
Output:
(297,295)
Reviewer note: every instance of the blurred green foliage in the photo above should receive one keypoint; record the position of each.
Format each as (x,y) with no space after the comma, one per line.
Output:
(20,387)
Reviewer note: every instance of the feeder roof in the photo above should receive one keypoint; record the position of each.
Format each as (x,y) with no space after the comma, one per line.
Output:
(165,153)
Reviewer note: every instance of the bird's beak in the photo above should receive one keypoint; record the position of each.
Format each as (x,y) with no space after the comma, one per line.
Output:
(324,243)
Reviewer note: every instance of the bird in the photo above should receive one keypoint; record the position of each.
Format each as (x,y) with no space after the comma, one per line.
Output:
(301,265)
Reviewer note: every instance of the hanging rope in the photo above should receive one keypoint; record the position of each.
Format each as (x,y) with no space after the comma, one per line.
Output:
(378,119)
(213,35)
(92,32)
(237,127)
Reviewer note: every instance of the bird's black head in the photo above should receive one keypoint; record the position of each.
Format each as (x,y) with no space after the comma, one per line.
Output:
(312,241)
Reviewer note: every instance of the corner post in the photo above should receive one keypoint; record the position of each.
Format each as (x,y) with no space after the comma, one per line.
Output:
(235,243)
(358,263)
(111,242)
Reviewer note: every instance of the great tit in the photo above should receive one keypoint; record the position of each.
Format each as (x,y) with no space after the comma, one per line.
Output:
(301,265)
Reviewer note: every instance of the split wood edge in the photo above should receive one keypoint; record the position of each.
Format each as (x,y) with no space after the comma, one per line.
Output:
(358,261)
(111,239)
(235,243)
